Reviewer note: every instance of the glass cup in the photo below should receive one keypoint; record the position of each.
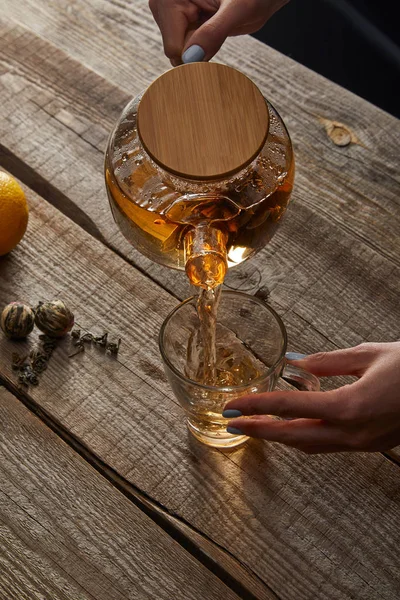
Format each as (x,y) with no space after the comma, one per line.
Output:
(263,336)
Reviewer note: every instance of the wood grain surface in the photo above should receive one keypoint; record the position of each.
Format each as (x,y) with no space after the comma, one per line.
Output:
(303,525)
(67,533)
(303,528)
(334,280)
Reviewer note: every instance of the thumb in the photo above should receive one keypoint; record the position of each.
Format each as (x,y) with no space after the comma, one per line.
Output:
(209,37)
(349,361)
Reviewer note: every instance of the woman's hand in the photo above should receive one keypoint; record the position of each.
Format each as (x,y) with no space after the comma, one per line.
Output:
(194,30)
(363,416)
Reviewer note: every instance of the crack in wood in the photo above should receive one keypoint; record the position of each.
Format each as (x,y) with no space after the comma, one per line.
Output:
(49,554)
(153,509)
(141,270)
(393,456)
(21,170)
(54,196)
(353,233)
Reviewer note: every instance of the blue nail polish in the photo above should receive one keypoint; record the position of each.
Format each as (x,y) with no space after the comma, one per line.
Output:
(295,356)
(234,431)
(194,53)
(231,413)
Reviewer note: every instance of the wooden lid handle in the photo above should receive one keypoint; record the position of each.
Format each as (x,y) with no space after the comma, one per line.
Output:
(203,121)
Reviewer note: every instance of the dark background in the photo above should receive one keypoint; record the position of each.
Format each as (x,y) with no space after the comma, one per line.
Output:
(351,42)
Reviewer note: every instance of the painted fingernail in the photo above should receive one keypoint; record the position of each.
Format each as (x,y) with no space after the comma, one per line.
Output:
(295,356)
(231,413)
(234,431)
(194,53)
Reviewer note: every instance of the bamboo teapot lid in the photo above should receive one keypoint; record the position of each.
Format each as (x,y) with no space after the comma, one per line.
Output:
(203,121)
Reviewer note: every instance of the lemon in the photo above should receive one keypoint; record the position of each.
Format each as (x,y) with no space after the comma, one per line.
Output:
(13,213)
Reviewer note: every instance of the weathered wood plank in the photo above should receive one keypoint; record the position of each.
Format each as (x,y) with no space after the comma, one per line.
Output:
(335,286)
(321,527)
(67,533)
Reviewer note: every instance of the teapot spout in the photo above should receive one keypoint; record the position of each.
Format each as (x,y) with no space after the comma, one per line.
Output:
(205,255)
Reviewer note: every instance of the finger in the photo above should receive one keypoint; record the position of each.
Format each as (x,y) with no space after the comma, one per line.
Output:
(209,37)
(173,22)
(297,433)
(314,405)
(248,19)
(253,25)
(249,28)
(153,5)
(349,361)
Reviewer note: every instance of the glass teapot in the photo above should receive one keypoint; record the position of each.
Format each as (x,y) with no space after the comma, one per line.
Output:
(199,170)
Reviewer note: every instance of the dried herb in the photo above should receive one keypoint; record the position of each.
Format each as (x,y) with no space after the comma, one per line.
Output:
(27,376)
(101,341)
(87,338)
(31,366)
(80,348)
(17,361)
(17,320)
(54,318)
(113,348)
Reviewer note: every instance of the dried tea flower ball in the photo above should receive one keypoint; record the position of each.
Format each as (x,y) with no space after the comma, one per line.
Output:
(17,320)
(54,318)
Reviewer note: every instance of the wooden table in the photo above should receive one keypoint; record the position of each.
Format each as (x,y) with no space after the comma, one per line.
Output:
(102,493)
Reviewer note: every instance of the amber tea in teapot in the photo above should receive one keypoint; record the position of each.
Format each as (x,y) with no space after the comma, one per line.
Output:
(199,171)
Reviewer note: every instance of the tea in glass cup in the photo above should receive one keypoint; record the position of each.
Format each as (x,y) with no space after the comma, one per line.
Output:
(249,357)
